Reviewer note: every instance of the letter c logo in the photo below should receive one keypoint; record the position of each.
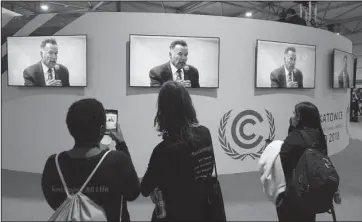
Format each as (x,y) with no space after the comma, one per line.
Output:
(241,129)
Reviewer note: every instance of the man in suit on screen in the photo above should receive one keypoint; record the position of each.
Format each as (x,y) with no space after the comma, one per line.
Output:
(343,77)
(176,69)
(287,76)
(47,72)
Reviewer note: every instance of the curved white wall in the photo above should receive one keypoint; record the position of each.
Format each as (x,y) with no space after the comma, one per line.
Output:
(34,119)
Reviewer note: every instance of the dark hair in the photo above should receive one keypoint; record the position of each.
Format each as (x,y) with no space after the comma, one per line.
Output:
(84,120)
(45,41)
(178,42)
(309,117)
(175,114)
(289,49)
(345,57)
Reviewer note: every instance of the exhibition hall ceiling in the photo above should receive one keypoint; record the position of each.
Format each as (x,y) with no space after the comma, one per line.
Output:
(346,17)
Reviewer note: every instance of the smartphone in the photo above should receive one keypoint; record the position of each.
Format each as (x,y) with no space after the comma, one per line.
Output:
(111,120)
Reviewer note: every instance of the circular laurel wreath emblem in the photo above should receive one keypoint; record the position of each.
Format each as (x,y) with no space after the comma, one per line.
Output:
(225,145)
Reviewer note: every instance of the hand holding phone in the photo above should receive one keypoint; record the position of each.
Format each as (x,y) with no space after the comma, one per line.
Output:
(117,135)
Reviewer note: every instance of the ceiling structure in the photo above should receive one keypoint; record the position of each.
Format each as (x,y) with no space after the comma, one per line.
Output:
(345,17)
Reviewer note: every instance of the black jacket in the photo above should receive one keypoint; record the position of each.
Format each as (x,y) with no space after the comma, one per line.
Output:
(294,147)
(175,167)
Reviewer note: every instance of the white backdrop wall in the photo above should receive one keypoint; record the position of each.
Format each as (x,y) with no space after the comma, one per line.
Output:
(34,119)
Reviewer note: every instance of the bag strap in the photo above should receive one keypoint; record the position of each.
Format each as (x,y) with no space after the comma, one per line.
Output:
(88,179)
(61,175)
(121,208)
(95,169)
(333,212)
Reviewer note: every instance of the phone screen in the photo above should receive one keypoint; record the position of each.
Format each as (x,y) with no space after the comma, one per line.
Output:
(111,121)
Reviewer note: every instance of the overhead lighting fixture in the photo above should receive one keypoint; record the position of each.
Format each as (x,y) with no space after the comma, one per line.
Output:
(338,33)
(248,14)
(44,7)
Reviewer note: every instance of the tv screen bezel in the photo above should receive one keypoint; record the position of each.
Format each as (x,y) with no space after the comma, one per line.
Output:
(50,36)
(280,88)
(203,87)
(354,68)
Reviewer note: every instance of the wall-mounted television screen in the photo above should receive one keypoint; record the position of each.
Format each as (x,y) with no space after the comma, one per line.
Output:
(49,61)
(285,65)
(343,69)
(193,61)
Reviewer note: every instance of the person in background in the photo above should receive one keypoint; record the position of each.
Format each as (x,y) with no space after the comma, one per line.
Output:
(115,177)
(287,76)
(47,72)
(294,18)
(180,163)
(305,117)
(291,16)
(176,69)
(343,77)
(359,99)
(354,105)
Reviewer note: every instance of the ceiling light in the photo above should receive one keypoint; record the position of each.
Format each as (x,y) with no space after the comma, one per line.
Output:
(248,14)
(44,7)
(337,33)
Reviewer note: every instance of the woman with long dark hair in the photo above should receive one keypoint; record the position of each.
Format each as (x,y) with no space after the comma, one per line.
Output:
(179,163)
(305,118)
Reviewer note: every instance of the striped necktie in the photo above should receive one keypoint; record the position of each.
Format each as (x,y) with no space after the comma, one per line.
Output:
(50,74)
(179,77)
(290,77)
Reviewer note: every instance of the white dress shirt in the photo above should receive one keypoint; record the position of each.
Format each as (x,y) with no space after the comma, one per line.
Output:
(46,74)
(175,74)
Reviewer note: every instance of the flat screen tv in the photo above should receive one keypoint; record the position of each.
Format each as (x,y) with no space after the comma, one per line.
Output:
(193,61)
(47,61)
(285,65)
(343,69)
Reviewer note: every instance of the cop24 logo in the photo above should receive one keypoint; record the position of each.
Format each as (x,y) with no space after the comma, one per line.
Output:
(259,143)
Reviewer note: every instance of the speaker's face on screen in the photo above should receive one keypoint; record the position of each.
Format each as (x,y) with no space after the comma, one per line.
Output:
(289,60)
(49,55)
(178,56)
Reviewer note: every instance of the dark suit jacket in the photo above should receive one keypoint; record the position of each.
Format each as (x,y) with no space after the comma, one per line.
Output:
(277,78)
(341,79)
(34,75)
(163,73)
